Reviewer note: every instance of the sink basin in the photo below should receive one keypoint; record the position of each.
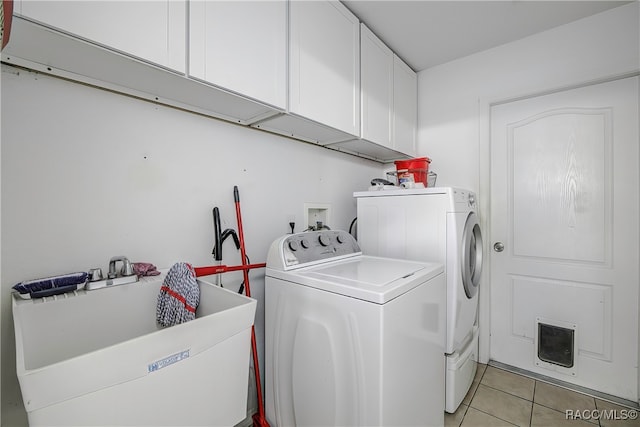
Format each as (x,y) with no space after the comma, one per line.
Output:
(100,359)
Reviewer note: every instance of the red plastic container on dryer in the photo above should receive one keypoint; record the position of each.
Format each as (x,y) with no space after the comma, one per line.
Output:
(413,170)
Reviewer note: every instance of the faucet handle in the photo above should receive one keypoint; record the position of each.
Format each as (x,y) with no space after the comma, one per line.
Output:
(95,274)
(127,268)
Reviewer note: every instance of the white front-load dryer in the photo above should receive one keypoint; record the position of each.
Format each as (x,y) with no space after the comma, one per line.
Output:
(433,224)
(352,340)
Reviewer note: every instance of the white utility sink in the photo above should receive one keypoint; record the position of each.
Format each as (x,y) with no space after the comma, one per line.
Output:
(99,358)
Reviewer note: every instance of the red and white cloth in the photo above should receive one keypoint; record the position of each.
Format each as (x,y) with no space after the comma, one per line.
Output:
(145,269)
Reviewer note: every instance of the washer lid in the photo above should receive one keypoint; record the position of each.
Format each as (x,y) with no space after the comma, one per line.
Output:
(369,278)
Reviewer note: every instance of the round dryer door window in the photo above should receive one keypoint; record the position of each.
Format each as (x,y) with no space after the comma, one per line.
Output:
(471,255)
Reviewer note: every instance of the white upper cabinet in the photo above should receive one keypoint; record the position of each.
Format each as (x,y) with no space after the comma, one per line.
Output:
(240,46)
(154,31)
(324,64)
(377,89)
(140,48)
(389,103)
(291,67)
(405,107)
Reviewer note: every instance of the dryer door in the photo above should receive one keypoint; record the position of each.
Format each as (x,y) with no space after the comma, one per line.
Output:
(471,255)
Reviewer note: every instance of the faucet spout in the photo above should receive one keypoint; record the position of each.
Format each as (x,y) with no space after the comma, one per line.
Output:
(127,268)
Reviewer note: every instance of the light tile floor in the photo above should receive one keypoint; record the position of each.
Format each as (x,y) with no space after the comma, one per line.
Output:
(502,398)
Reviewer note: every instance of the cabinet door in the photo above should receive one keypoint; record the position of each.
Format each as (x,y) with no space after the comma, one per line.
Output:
(240,46)
(152,30)
(405,107)
(325,64)
(377,88)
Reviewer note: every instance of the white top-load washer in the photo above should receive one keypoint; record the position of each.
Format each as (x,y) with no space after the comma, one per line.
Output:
(433,224)
(352,339)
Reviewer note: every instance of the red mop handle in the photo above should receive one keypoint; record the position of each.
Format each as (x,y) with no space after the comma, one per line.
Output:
(259,419)
(217,269)
(243,252)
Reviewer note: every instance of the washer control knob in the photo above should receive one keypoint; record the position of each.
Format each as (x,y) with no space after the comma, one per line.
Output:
(340,239)
(324,240)
(472,200)
(304,243)
(293,245)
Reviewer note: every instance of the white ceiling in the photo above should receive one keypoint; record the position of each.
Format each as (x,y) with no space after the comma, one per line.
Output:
(426,33)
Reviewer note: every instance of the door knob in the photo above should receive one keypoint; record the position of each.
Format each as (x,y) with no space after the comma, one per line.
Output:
(498,246)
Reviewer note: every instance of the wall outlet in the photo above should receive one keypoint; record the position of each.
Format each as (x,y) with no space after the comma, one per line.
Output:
(315,213)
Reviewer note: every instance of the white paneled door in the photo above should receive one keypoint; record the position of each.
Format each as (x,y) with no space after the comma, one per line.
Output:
(565,235)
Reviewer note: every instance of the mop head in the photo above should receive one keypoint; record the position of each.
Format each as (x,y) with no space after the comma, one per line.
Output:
(179,296)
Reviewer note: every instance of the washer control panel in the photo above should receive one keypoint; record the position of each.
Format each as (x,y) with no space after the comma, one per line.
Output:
(313,246)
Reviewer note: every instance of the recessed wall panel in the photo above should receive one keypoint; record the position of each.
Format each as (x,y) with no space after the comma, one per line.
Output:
(586,305)
(560,173)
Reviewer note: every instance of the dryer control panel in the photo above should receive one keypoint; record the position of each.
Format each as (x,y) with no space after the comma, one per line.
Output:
(465,199)
(296,250)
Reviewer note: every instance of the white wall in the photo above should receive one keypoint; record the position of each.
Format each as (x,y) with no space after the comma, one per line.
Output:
(88,174)
(454,98)
(450,94)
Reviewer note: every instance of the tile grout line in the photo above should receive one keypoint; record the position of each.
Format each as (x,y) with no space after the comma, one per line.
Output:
(494,416)
(464,415)
(533,401)
(470,401)
(595,403)
(594,399)
(474,392)
(502,391)
(566,385)
(505,392)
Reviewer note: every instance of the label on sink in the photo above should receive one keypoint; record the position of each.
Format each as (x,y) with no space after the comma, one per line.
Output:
(167,361)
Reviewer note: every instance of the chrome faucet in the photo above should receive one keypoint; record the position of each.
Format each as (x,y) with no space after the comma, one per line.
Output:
(126,273)
(127,268)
